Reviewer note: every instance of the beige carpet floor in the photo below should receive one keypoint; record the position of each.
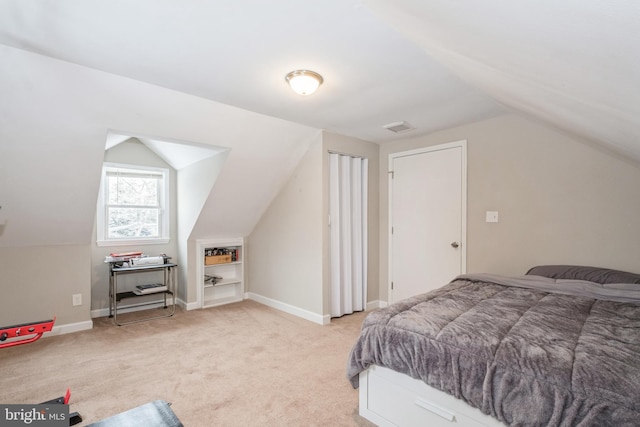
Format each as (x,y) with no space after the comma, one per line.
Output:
(242,364)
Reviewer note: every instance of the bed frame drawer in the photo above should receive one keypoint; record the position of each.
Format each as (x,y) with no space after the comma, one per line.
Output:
(388,398)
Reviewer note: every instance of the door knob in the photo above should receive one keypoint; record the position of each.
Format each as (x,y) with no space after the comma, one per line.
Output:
(455,245)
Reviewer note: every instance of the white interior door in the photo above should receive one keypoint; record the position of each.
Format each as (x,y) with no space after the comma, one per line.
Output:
(427,218)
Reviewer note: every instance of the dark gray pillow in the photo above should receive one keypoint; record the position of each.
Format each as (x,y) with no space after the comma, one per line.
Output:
(577,272)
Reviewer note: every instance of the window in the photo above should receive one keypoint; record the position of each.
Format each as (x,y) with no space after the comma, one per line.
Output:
(132,207)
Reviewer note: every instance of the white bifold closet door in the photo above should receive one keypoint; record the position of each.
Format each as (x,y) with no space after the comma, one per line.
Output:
(348,235)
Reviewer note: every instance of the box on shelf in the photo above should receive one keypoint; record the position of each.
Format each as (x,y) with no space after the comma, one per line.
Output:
(217,259)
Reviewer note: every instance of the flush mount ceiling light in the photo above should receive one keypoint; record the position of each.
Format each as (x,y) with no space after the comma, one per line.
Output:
(304,82)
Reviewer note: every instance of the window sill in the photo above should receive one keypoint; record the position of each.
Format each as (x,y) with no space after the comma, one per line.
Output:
(133,242)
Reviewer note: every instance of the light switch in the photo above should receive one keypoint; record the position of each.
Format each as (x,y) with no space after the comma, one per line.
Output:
(492,216)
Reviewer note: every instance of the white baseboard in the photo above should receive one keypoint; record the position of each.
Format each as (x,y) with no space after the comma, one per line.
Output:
(103,312)
(372,305)
(278,305)
(288,308)
(100,312)
(190,306)
(305,314)
(69,328)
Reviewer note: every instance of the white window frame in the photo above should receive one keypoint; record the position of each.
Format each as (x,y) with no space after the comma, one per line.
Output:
(101,221)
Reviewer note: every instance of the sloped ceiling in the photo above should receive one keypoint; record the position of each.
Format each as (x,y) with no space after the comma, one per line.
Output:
(176,154)
(435,64)
(238,53)
(574,64)
(213,73)
(54,121)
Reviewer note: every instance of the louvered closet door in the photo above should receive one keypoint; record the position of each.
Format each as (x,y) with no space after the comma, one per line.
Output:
(427,214)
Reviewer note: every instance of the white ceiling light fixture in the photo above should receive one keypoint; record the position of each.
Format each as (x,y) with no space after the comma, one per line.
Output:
(304,82)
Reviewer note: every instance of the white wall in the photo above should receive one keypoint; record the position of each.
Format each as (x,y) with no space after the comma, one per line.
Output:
(289,248)
(38,282)
(560,199)
(285,247)
(194,186)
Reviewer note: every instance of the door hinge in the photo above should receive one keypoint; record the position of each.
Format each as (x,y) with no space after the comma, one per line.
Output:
(392,229)
(391,285)
(391,172)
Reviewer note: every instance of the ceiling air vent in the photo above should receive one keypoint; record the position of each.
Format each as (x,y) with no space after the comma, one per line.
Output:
(399,127)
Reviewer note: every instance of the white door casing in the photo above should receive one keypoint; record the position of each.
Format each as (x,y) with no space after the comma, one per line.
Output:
(427,218)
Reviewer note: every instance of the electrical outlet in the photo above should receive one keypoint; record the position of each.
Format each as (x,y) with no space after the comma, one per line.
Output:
(77,299)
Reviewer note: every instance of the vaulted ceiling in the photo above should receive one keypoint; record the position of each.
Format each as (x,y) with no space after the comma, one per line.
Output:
(573,64)
(435,64)
(238,53)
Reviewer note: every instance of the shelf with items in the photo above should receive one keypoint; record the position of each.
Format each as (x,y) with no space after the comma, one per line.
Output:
(221,272)
(222,255)
(220,282)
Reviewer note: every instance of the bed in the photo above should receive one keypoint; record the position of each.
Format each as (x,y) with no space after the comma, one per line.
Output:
(559,346)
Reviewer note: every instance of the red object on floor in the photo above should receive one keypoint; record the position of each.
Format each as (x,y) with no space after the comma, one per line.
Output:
(25,333)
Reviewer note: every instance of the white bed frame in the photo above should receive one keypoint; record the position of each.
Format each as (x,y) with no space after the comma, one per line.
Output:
(390,399)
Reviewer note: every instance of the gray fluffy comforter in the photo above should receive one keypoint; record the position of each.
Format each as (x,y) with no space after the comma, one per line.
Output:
(516,350)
